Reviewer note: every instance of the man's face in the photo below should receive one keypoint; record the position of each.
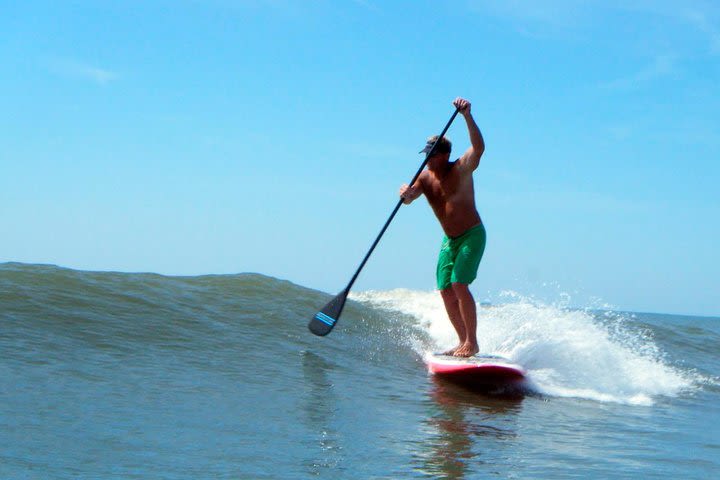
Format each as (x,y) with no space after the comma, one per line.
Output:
(438,157)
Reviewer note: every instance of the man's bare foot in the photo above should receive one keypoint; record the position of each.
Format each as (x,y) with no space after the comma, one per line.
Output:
(451,352)
(466,350)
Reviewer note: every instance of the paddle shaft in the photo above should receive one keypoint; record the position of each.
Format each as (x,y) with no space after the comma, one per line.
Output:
(399,204)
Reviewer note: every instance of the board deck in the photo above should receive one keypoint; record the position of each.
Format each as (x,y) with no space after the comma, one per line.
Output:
(476,370)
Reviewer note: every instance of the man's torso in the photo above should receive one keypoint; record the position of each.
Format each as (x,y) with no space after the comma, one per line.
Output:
(451,195)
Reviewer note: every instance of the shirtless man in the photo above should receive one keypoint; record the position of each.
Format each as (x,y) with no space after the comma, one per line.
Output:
(448,187)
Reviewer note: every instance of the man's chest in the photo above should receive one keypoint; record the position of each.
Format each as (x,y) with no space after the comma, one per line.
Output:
(444,189)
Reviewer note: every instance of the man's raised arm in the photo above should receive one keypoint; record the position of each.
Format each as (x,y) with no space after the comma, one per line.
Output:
(471,158)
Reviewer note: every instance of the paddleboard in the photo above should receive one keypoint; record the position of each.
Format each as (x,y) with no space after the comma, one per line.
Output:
(478,370)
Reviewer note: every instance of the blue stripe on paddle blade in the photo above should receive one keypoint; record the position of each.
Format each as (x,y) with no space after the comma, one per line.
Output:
(325,319)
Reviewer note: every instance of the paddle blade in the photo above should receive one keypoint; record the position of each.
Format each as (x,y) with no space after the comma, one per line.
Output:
(324,321)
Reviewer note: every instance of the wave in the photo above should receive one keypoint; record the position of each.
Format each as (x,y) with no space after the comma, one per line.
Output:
(48,312)
(568,353)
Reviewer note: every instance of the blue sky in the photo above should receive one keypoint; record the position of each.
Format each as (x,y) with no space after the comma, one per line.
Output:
(271,136)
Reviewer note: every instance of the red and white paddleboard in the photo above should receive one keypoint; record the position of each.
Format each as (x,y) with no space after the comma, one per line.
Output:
(477,370)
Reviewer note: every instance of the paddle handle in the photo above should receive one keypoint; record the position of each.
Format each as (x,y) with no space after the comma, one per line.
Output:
(400,202)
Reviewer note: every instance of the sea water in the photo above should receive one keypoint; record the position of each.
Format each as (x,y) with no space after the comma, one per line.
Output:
(116,375)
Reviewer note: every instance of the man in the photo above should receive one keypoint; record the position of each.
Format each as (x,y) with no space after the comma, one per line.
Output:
(448,187)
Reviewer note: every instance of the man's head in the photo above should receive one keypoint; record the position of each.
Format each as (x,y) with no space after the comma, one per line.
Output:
(443,146)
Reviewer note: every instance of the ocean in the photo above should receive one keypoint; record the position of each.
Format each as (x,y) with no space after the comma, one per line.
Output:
(135,375)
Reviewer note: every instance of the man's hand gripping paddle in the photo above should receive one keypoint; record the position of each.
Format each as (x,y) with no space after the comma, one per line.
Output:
(324,321)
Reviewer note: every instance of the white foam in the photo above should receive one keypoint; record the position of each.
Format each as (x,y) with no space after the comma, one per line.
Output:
(567,353)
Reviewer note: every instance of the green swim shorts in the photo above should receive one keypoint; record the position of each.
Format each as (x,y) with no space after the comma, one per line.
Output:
(460,257)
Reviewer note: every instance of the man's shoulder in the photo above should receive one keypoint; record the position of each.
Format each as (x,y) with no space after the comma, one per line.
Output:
(455,167)
(462,167)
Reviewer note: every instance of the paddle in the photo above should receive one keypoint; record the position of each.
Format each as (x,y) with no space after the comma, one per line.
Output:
(324,321)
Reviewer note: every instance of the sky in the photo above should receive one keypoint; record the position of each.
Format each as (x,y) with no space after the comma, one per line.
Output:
(226,136)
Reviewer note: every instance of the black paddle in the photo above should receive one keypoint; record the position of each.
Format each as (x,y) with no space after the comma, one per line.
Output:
(324,321)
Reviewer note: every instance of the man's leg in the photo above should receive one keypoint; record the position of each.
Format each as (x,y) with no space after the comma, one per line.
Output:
(453,310)
(468,314)
(465,267)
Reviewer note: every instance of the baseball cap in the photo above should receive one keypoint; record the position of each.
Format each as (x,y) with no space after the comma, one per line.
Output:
(443,145)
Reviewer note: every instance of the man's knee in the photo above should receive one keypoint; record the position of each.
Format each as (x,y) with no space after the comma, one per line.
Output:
(461,290)
(448,293)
